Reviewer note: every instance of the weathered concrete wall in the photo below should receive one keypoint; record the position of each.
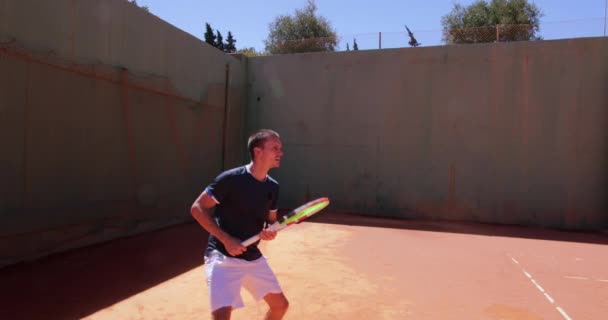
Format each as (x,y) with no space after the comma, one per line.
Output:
(506,133)
(111,123)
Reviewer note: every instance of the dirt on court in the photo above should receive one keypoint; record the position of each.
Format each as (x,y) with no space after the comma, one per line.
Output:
(335,267)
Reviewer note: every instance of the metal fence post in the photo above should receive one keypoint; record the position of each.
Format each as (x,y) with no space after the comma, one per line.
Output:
(498,33)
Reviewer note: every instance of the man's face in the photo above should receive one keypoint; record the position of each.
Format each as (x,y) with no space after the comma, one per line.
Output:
(270,154)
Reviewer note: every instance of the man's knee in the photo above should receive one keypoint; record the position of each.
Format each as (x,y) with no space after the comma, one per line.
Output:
(282,305)
(277,302)
(222,313)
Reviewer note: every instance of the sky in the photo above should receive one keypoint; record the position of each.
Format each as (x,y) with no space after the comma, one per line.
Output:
(373,23)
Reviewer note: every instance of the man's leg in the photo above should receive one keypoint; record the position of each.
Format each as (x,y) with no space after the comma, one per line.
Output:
(224,283)
(222,313)
(278,304)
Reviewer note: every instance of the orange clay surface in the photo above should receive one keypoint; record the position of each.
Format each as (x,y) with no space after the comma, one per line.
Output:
(334,267)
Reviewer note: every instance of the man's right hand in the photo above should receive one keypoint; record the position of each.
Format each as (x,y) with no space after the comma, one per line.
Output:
(234,246)
(201,212)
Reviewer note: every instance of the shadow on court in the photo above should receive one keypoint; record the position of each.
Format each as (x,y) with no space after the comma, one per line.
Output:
(485,229)
(77,283)
(80,282)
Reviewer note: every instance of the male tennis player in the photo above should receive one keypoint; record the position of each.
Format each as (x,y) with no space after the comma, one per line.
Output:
(245,198)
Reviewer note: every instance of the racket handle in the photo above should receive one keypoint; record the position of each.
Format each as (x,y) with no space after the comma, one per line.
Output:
(273,227)
(251,240)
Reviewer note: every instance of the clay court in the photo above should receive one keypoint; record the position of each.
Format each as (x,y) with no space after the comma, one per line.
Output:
(334,267)
(109,134)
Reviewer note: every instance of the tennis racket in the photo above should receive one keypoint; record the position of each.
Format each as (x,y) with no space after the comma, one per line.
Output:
(294,216)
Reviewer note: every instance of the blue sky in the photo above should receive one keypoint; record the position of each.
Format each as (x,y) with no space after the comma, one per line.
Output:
(363,19)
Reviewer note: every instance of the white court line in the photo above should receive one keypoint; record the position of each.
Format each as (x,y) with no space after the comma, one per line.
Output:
(545,293)
(564,314)
(585,278)
(538,286)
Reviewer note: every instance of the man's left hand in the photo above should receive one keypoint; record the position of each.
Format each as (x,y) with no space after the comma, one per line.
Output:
(268,235)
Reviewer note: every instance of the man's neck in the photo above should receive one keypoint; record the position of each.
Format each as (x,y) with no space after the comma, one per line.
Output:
(257,171)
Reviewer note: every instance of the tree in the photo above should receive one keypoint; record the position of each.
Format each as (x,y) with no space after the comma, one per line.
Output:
(250,52)
(413,42)
(145,8)
(230,43)
(305,31)
(219,41)
(209,36)
(498,20)
(355,46)
(347,47)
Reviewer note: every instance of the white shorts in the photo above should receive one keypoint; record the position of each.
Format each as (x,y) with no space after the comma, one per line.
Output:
(226,276)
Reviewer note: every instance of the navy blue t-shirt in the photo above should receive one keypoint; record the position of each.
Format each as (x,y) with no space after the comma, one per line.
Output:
(243,204)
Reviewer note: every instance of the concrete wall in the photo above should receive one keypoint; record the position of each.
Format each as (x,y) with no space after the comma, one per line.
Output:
(111,123)
(513,133)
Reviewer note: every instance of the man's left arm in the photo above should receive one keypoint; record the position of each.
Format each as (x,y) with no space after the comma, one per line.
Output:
(267,234)
(272,216)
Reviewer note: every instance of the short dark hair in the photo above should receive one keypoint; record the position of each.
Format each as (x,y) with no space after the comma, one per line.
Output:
(258,138)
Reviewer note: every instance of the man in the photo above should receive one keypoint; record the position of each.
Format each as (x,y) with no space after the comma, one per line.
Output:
(245,199)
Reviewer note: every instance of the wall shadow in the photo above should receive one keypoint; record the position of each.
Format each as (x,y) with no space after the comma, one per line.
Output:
(77,283)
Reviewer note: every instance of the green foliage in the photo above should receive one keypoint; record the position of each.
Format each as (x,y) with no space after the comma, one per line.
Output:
(216,39)
(305,31)
(413,42)
(145,8)
(230,43)
(219,41)
(250,52)
(355,46)
(511,20)
(209,36)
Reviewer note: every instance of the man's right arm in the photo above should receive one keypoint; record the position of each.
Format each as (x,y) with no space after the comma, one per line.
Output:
(201,211)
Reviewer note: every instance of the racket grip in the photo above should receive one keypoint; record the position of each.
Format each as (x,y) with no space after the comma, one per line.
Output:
(273,227)
(251,240)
